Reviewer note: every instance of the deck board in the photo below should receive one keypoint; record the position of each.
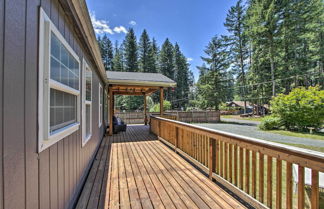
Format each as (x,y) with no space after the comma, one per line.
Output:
(135,170)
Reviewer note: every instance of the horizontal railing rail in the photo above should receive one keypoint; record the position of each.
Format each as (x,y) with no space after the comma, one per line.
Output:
(258,171)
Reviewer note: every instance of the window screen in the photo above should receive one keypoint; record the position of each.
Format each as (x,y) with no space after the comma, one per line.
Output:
(63,109)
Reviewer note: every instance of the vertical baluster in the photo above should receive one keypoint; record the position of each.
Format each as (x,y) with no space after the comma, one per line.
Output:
(211,157)
(217,157)
(254,174)
(279,184)
(176,139)
(247,171)
(289,186)
(207,150)
(198,148)
(203,151)
(301,187)
(221,157)
(235,179)
(315,190)
(226,161)
(194,138)
(261,177)
(230,164)
(241,168)
(269,182)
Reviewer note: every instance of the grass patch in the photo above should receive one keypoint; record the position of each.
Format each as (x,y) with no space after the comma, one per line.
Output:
(242,118)
(317,136)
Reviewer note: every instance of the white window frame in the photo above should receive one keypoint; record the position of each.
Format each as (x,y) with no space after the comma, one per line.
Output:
(85,102)
(45,138)
(100,101)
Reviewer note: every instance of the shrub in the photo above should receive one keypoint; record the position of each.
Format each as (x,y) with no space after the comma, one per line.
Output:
(156,107)
(270,123)
(301,108)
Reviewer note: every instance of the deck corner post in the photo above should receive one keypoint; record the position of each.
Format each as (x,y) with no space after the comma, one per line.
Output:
(145,110)
(161,101)
(111,110)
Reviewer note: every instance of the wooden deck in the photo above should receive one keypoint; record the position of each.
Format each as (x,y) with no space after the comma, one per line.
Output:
(135,170)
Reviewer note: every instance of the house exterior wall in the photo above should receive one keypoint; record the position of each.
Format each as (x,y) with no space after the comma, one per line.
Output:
(53,177)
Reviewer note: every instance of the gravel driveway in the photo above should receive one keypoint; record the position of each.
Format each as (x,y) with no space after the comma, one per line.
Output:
(250,129)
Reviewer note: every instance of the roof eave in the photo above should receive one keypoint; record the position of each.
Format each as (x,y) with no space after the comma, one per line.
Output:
(141,83)
(81,15)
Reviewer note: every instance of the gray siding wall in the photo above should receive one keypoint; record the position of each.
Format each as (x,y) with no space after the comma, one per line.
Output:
(52,178)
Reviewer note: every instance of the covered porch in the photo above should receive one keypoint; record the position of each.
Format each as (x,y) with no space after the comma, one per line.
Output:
(135,84)
(134,169)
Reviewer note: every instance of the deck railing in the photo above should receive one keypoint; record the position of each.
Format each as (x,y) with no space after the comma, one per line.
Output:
(258,171)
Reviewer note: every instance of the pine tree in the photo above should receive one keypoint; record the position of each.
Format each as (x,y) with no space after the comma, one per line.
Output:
(130,52)
(166,65)
(182,77)
(238,44)
(213,79)
(146,59)
(155,55)
(118,58)
(106,50)
(263,21)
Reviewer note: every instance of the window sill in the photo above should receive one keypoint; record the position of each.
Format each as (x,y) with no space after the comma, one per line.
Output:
(58,135)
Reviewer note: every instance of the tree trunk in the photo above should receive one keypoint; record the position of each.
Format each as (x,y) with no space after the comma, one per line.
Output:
(272,66)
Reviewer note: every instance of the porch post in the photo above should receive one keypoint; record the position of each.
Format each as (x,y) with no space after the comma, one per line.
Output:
(161,101)
(111,110)
(145,110)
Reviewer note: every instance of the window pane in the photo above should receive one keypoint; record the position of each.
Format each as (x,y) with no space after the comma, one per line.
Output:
(64,75)
(64,67)
(62,109)
(55,47)
(64,56)
(76,72)
(88,84)
(88,119)
(55,70)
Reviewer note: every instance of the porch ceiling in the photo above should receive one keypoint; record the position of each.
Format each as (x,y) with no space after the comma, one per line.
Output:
(120,89)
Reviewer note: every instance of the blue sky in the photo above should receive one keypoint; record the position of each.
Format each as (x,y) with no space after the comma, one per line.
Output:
(191,23)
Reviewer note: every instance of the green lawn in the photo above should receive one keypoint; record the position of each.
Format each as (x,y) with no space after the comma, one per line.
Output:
(318,136)
(242,118)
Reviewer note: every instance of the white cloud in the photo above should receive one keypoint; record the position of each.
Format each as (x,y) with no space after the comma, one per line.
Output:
(120,29)
(189,59)
(132,22)
(100,26)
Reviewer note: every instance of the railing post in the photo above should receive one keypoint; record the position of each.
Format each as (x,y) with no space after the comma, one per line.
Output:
(212,155)
(315,190)
(289,186)
(301,187)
